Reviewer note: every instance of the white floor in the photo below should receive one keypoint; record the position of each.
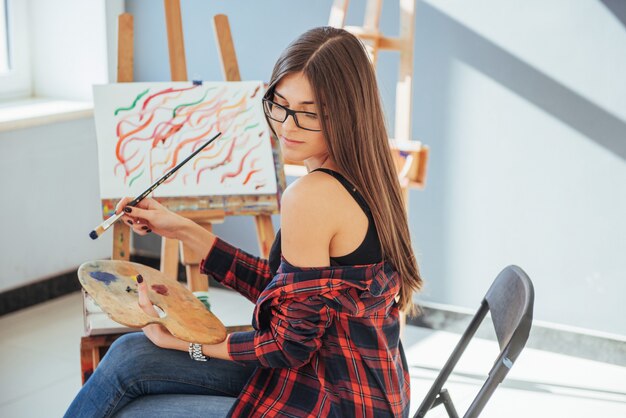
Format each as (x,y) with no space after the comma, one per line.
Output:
(40,371)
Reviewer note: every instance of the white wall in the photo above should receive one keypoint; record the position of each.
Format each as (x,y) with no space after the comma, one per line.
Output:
(524,107)
(50,202)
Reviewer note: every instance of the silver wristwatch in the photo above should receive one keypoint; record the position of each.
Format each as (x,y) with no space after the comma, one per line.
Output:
(195,352)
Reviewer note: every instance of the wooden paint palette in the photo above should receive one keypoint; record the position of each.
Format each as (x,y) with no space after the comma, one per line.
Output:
(112,284)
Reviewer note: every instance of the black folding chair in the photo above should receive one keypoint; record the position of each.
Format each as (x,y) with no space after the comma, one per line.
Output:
(510,301)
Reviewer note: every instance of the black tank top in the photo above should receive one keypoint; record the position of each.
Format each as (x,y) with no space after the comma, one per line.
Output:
(369,252)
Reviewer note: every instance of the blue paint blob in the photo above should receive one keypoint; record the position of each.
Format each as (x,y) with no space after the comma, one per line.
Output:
(103,277)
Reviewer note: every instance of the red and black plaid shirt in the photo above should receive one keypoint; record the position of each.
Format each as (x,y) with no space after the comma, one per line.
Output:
(326,340)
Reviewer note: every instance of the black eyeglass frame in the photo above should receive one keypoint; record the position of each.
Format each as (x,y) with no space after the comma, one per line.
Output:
(289,112)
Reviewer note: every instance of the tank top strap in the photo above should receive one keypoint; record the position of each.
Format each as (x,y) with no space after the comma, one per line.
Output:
(349,187)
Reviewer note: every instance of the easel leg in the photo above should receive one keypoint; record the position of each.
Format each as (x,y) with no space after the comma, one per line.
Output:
(121,241)
(169,258)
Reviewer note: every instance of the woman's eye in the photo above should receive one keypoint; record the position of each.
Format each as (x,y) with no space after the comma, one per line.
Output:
(312,116)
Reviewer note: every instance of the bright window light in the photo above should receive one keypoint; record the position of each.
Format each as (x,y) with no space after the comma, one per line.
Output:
(5,61)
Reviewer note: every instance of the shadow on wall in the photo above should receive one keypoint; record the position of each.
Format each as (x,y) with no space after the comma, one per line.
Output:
(526,81)
(454,41)
(618,8)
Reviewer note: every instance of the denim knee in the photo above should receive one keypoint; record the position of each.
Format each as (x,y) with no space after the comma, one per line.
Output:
(129,356)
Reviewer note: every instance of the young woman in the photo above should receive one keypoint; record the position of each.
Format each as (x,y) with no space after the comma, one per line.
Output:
(326,321)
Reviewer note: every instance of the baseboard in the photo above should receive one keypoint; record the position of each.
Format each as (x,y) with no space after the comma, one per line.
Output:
(556,338)
(35,293)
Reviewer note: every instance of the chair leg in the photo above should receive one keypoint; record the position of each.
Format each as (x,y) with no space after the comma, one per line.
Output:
(444,398)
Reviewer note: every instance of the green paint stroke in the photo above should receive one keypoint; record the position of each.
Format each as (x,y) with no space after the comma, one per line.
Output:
(192,103)
(251,127)
(135,178)
(119,109)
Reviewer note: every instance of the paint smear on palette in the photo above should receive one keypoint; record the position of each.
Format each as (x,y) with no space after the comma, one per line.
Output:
(161,289)
(103,276)
(126,270)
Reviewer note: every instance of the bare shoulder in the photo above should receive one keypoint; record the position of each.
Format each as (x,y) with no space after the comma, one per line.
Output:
(308,221)
(313,183)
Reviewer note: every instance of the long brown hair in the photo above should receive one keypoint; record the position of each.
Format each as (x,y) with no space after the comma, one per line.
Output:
(336,65)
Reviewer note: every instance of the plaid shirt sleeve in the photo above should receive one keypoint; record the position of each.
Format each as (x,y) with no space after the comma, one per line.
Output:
(235,268)
(291,338)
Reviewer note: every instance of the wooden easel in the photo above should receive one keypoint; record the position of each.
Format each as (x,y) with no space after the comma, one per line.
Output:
(411,156)
(173,251)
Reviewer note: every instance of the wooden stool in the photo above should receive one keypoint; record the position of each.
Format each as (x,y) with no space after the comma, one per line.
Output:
(92,349)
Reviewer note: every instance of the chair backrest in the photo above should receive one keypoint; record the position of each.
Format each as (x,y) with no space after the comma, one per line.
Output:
(510,300)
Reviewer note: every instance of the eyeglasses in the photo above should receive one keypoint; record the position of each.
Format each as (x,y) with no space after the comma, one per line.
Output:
(304,120)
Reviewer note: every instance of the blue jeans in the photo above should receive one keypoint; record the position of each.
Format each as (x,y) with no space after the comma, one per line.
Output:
(136,378)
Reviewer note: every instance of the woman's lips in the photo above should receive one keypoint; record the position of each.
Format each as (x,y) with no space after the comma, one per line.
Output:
(288,141)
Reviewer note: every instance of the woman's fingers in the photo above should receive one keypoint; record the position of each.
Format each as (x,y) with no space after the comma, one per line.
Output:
(148,216)
(139,226)
(142,229)
(122,203)
(147,203)
(144,301)
(138,218)
(137,212)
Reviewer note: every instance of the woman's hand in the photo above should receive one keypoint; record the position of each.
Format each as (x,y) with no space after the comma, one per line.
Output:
(156,333)
(161,337)
(150,216)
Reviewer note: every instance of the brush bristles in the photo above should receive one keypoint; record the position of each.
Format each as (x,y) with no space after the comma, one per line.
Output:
(96,233)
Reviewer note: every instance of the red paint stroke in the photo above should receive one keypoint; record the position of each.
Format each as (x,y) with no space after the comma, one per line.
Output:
(240,169)
(210,111)
(159,136)
(118,154)
(253,163)
(233,106)
(166,91)
(201,107)
(209,157)
(185,142)
(173,130)
(221,163)
(231,118)
(141,114)
(118,165)
(161,289)
(129,142)
(258,186)
(250,175)
(135,168)
(255,92)
(167,158)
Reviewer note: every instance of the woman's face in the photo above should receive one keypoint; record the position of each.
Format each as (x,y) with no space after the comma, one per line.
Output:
(294,92)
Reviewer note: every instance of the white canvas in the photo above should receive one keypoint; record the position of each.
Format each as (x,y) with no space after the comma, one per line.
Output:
(145,129)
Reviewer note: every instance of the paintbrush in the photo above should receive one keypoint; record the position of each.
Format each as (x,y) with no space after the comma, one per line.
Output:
(106,224)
